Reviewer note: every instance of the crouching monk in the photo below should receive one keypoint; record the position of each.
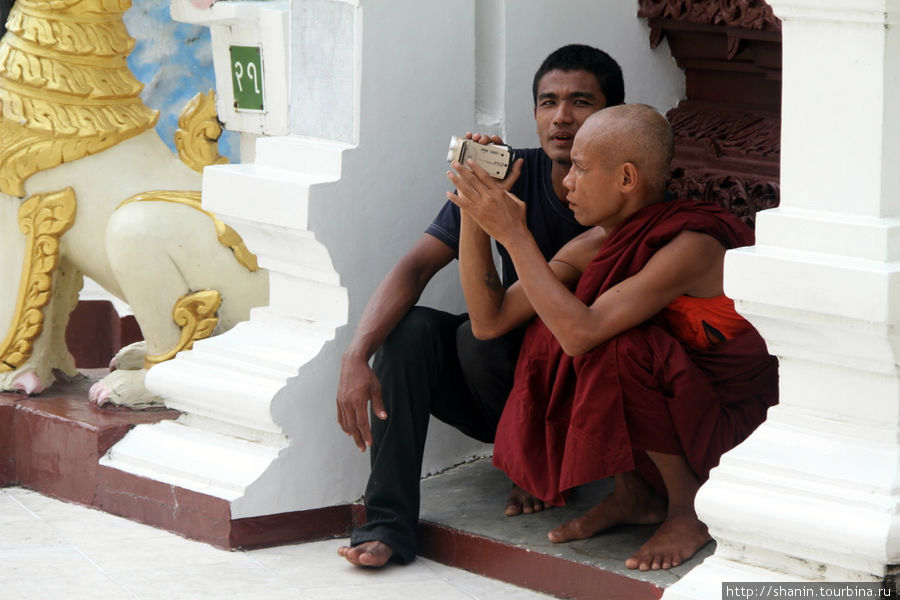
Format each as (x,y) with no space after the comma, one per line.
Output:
(637,366)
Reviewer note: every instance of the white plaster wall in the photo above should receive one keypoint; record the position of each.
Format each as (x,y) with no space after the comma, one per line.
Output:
(416,90)
(651,76)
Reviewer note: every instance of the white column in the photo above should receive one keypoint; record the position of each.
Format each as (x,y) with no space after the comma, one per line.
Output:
(812,495)
(360,100)
(258,426)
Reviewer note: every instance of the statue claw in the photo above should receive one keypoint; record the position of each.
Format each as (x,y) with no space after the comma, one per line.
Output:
(28,383)
(124,388)
(99,393)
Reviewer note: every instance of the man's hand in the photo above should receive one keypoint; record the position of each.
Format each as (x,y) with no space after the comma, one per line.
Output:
(358,384)
(488,201)
(483,138)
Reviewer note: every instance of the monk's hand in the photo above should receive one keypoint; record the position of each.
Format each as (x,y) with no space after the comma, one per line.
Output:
(357,386)
(487,200)
(484,139)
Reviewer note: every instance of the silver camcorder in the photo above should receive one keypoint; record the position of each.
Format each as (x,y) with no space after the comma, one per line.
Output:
(493,158)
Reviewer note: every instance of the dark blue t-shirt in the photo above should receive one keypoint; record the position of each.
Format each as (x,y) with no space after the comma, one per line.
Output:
(549,220)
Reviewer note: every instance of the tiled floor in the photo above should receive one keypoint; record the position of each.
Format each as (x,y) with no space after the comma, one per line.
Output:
(51,550)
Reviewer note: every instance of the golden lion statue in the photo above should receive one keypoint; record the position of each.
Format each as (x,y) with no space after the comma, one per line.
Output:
(87,187)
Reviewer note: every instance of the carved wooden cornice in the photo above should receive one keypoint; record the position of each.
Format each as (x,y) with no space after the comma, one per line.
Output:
(747,14)
(744,196)
(726,155)
(728,130)
(737,20)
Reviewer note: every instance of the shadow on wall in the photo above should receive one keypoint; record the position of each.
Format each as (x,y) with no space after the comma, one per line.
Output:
(5,6)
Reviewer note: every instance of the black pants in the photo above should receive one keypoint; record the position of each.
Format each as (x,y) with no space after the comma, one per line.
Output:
(431,364)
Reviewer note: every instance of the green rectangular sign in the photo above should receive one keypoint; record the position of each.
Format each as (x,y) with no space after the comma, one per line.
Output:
(246,77)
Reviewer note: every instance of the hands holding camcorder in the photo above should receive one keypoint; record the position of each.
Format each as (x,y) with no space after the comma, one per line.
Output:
(483,197)
(483,138)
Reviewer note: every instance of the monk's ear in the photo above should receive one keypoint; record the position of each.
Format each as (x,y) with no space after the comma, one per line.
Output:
(628,177)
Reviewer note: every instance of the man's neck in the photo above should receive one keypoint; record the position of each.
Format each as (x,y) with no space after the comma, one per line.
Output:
(558,172)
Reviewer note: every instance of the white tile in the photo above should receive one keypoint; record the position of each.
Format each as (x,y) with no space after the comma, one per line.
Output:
(219,580)
(52,549)
(387,589)
(61,561)
(12,510)
(170,551)
(36,502)
(27,533)
(317,564)
(56,589)
(102,529)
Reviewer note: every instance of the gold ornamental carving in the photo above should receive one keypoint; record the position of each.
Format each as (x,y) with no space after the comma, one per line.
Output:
(198,133)
(43,218)
(195,313)
(65,88)
(226,235)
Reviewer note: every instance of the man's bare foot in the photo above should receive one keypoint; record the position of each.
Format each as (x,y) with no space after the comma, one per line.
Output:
(631,502)
(676,540)
(367,554)
(520,501)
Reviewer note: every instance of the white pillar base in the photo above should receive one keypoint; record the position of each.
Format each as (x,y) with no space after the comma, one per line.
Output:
(812,495)
(241,437)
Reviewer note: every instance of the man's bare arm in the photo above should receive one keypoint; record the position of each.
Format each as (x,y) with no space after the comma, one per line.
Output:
(392,299)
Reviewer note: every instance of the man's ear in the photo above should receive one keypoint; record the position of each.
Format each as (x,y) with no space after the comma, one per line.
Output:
(628,177)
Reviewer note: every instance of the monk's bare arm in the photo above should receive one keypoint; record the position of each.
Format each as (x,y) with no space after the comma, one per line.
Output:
(501,215)
(690,264)
(495,311)
(478,276)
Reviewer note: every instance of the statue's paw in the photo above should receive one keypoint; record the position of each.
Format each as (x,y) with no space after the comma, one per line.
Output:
(28,383)
(124,388)
(99,393)
(131,357)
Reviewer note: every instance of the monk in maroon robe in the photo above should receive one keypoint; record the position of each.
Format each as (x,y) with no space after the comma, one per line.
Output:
(637,366)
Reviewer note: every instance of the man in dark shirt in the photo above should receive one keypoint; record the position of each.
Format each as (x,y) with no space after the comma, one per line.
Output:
(428,361)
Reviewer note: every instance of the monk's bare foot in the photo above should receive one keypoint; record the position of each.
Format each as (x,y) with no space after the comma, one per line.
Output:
(631,502)
(367,554)
(521,502)
(677,539)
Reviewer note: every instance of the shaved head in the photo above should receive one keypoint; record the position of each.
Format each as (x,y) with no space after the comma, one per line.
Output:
(632,133)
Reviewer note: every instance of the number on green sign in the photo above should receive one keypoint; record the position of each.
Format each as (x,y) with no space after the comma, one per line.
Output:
(246,77)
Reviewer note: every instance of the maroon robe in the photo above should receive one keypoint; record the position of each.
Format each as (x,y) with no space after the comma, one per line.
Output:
(572,420)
